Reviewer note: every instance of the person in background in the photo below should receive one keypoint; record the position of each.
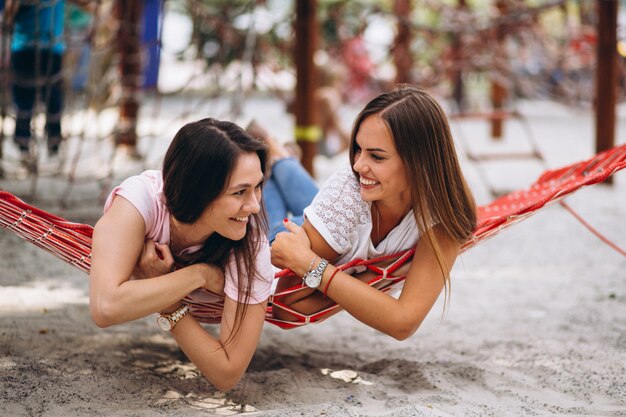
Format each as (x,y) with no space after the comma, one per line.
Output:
(37,49)
(327,100)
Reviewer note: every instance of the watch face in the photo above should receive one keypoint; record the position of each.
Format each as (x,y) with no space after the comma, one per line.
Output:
(313,280)
(164,323)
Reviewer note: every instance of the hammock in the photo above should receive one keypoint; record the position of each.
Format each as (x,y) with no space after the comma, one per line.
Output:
(71,242)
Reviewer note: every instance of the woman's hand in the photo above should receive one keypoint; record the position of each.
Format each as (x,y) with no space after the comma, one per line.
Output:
(155,260)
(214,278)
(292,249)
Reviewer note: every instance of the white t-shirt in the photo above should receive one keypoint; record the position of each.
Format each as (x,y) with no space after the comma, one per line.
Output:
(145,193)
(344,220)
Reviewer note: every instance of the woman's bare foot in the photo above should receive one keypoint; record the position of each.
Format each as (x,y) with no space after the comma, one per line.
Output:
(277,150)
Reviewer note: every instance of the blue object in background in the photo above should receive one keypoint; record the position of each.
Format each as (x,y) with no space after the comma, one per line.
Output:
(151,41)
(78,22)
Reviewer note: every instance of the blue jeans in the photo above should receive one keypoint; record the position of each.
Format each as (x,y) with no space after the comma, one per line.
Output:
(30,83)
(289,190)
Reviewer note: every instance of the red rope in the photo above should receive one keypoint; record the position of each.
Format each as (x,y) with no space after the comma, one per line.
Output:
(72,241)
(592,229)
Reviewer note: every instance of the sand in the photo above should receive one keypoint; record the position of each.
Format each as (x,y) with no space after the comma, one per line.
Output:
(536,326)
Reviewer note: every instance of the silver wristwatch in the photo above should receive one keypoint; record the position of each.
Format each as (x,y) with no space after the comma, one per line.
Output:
(168,321)
(313,278)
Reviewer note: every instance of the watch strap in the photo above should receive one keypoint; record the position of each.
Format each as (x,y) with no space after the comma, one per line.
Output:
(175,316)
(313,279)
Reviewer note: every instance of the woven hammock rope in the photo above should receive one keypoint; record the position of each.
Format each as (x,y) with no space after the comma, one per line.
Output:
(71,242)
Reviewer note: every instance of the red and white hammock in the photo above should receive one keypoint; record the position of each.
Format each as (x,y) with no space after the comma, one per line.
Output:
(72,241)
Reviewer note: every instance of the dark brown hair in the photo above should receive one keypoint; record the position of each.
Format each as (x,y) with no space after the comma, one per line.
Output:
(421,134)
(196,171)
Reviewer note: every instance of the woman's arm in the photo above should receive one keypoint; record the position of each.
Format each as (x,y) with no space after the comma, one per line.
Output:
(222,361)
(282,257)
(118,241)
(402,316)
(157,259)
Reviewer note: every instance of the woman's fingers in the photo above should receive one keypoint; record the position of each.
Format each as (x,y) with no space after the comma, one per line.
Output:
(292,227)
(156,259)
(165,253)
(290,248)
(214,277)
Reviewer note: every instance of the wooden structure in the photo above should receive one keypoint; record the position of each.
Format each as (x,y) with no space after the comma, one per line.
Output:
(402,57)
(606,75)
(307,131)
(128,15)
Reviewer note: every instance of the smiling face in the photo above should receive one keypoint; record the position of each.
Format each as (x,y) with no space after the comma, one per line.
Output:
(230,213)
(381,172)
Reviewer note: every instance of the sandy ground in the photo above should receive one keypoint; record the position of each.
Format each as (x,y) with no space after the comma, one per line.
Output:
(536,325)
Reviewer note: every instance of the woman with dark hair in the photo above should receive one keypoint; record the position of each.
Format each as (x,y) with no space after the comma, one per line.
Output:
(403,189)
(173,242)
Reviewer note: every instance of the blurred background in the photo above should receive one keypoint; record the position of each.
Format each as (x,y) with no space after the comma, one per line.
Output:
(133,72)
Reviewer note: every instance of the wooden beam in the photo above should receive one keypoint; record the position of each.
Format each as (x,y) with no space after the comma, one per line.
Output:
(128,15)
(456,75)
(402,56)
(498,91)
(606,74)
(308,132)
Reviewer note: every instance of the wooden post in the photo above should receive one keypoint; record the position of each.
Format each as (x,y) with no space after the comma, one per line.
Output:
(402,56)
(307,131)
(498,91)
(456,75)
(606,76)
(586,12)
(128,14)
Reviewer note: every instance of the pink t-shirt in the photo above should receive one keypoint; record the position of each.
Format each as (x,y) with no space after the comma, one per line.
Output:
(145,193)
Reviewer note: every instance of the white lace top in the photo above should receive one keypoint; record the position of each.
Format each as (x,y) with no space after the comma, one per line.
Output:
(344,220)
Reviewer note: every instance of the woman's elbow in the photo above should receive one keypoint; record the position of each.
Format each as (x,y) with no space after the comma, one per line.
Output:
(227,381)
(403,331)
(225,386)
(402,335)
(102,314)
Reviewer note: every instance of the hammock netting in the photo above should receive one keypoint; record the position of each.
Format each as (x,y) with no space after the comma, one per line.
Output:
(71,242)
